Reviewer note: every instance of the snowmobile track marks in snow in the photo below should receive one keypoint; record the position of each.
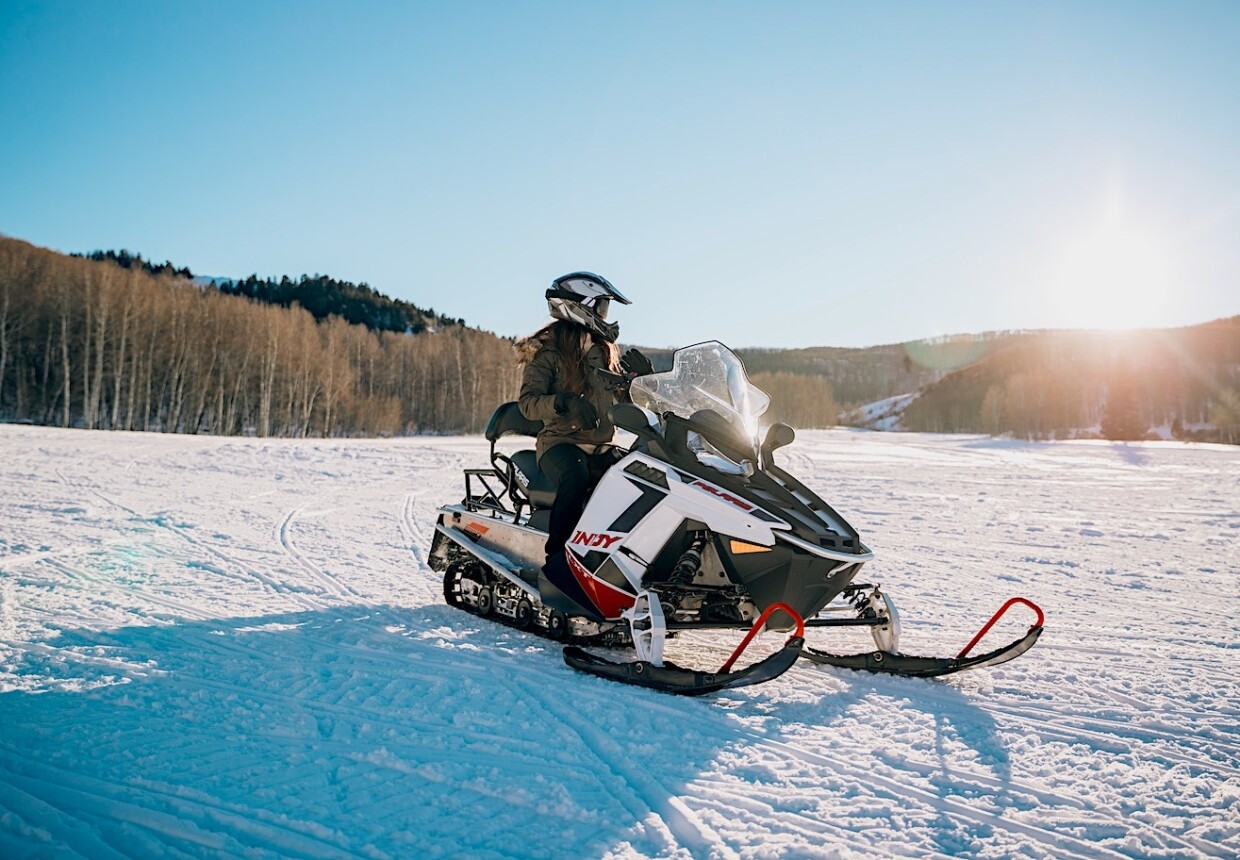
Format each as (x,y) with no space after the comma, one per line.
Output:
(332,584)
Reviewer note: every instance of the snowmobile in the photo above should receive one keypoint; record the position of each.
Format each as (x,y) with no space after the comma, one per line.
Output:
(695,527)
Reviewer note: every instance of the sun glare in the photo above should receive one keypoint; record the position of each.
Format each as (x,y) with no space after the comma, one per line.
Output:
(1114,273)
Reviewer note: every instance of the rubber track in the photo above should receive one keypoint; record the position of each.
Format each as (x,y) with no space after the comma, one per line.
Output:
(617,638)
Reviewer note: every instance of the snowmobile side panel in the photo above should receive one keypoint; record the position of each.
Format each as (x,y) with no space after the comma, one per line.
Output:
(494,561)
(609,599)
(517,542)
(670,678)
(560,587)
(911,666)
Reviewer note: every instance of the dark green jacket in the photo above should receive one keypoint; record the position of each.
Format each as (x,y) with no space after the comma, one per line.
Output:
(541,383)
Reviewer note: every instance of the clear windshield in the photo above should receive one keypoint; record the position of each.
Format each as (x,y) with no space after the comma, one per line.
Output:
(705,376)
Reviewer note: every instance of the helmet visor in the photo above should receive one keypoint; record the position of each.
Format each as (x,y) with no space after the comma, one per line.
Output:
(600,307)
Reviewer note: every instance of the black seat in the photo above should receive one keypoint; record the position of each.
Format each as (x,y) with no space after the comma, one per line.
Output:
(538,487)
(508,421)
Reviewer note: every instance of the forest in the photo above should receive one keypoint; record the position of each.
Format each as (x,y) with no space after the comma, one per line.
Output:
(112,341)
(321,295)
(90,343)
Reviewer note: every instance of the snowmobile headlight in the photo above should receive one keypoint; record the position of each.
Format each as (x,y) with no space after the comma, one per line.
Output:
(740,547)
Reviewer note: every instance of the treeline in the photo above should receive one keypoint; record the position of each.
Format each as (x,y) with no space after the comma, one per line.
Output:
(126,260)
(797,399)
(321,295)
(90,344)
(859,376)
(1059,383)
(114,341)
(325,297)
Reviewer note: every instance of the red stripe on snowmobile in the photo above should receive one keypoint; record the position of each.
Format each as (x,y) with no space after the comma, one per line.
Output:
(723,494)
(607,599)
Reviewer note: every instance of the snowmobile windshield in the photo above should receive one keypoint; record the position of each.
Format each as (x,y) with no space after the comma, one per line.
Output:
(707,384)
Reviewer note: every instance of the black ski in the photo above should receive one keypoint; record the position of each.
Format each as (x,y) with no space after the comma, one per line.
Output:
(670,678)
(911,666)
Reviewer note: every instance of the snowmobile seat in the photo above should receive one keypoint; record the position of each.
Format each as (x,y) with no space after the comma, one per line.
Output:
(508,421)
(539,489)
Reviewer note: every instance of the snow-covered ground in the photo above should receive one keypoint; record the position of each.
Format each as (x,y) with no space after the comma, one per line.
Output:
(221,647)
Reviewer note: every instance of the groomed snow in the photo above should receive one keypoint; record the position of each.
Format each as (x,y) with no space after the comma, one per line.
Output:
(233,647)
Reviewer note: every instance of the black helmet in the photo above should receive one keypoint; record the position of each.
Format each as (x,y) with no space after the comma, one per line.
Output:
(584,298)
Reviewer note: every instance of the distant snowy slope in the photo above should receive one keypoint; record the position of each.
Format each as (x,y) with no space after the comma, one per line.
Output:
(233,647)
(882,414)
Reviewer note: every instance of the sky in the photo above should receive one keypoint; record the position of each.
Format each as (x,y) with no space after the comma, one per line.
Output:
(767,174)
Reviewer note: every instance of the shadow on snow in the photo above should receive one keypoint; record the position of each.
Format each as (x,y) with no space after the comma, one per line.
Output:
(377,730)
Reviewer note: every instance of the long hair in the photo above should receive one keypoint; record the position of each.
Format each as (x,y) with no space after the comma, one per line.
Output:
(571,342)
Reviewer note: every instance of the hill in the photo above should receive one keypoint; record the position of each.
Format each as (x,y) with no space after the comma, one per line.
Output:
(1173,383)
(321,295)
(863,375)
(110,339)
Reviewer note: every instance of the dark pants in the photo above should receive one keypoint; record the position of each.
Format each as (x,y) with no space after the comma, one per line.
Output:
(573,472)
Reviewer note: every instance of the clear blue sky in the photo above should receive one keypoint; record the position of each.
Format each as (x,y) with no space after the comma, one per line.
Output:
(781,174)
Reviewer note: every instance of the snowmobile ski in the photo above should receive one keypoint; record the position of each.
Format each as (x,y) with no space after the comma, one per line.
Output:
(670,678)
(667,677)
(912,666)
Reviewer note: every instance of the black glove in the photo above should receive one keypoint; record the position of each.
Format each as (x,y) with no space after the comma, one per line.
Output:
(581,412)
(635,364)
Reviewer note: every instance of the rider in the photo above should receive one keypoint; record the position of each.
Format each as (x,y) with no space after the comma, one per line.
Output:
(566,386)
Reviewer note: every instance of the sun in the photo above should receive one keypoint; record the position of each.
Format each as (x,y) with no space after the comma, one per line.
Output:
(1115,272)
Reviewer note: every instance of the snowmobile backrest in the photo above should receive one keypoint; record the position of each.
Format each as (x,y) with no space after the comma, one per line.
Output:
(508,421)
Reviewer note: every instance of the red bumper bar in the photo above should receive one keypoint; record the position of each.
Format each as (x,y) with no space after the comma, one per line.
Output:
(757,625)
(991,623)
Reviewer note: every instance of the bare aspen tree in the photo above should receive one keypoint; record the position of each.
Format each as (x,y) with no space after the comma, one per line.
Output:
(66,367)
(126,301)
(83,352)
(101,281)
(267,381)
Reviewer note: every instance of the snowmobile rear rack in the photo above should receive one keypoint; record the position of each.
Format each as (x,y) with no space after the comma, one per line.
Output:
(489,497)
